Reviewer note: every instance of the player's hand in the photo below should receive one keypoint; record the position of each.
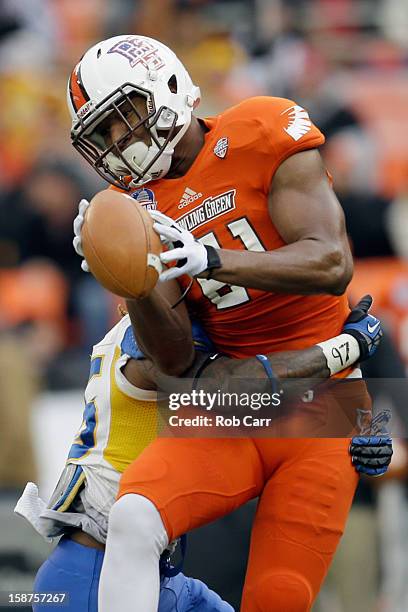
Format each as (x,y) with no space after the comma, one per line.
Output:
(371,455)
(189,255)
(78,223)
(371,452)
(365,328)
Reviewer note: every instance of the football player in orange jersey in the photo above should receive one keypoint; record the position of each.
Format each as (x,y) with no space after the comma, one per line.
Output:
(262,234)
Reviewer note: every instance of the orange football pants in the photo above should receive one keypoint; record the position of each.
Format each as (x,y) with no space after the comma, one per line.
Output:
(305,488)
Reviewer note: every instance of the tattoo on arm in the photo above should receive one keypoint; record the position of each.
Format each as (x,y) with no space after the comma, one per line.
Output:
(309,363)
(296,371)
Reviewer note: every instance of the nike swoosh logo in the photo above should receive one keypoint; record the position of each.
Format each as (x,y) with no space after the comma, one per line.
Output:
(373,328)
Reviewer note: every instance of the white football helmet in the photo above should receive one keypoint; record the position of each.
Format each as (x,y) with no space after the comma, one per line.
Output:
(140,83)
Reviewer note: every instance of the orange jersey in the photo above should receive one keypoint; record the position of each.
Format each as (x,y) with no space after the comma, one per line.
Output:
(223,201)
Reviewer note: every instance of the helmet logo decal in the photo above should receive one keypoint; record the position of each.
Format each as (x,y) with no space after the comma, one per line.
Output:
(85,109)
(139,51)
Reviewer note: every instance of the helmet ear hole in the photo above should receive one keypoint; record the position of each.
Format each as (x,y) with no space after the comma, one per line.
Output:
(172,83)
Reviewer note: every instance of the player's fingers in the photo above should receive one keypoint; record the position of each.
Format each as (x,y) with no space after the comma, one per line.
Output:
(78,245)
(83,205)
(78,223)
(365,303)
(168,243)
(168,232)
(84,265)
(170,274)
(156,214)
(370,471)
(161,218)
(366,441)
(173,255)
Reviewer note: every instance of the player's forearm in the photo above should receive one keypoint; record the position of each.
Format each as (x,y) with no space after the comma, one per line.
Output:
(294,372)
(308,363)
(163,333)
(299,371)
(304,267)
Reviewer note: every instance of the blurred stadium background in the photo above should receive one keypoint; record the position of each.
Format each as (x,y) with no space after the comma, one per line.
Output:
(346,61)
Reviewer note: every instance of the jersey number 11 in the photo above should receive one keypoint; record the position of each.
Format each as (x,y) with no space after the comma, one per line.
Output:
(221,294)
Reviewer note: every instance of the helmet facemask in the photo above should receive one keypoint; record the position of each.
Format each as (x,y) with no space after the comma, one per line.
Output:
(126,139)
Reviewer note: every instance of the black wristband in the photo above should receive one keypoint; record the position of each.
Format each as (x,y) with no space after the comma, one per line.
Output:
(213,259)
(362,342)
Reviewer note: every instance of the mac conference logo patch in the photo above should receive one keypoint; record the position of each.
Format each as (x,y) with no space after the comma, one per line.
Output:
(221,147)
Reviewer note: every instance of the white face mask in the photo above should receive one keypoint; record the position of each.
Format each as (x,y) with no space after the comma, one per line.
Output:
(139,155)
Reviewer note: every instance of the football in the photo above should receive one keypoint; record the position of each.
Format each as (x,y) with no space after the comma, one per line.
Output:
(120,245)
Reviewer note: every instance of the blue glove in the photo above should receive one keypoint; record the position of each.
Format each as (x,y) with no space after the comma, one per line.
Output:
(365,328)
(371,454)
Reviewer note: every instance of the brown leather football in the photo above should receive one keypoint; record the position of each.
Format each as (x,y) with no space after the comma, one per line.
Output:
(120,245)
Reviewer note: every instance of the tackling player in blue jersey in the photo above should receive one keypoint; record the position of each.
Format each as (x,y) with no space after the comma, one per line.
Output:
(120,419)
